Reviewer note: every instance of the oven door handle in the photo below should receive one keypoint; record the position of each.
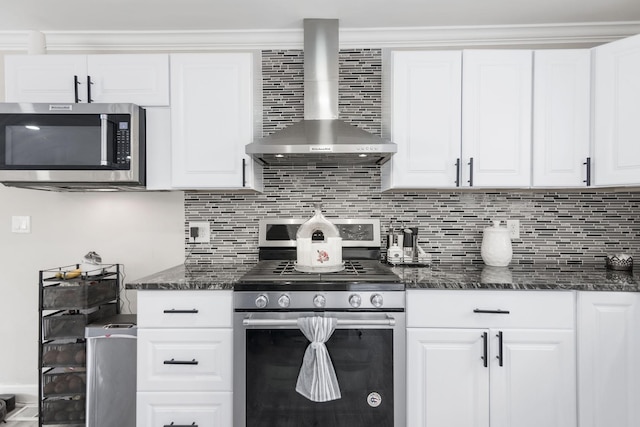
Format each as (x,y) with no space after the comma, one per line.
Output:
(389,321)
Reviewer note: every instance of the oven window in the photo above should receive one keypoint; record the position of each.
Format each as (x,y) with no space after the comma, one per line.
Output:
(363,361)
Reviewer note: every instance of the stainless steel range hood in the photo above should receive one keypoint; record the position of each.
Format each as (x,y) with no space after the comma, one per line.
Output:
(321,137)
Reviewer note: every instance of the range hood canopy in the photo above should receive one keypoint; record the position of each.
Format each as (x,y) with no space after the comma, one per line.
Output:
(321,137)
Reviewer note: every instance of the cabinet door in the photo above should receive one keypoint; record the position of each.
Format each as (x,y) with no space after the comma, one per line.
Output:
(496,118)
(212,119)
(45,78)
(447,382)
(425,119)
(609,351)
(617,108)
(533,383)
(561,117)
(137,79)
(184,409)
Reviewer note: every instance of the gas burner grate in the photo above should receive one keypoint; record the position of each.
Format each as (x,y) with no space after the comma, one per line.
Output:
(352,268)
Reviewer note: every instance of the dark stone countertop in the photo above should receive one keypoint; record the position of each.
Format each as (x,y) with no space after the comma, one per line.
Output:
(450,276)
(520,277)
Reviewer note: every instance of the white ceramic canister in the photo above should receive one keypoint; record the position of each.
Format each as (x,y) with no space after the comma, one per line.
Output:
(496,248)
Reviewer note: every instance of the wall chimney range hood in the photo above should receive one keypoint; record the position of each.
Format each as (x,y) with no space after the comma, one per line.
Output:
(321,137)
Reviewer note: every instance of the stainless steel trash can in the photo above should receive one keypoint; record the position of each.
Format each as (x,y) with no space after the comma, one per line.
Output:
(111,372)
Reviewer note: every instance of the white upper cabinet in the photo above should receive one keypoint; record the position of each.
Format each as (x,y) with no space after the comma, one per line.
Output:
(425,119)
(561,118)
(616,128)
(137,79)
(212,120)
(496,118)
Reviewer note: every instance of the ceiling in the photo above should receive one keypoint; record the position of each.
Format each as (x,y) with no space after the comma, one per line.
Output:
(200,15)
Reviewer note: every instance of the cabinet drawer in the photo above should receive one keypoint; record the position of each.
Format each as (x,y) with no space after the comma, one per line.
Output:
(184,409)
(187,360)
(490,309)
(185,309)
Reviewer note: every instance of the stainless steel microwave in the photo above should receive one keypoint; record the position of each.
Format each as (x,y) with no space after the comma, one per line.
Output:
(72,145)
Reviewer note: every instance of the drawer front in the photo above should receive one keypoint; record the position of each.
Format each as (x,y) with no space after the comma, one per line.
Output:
(490,309)
(185,309)
(184,409)
(184,360)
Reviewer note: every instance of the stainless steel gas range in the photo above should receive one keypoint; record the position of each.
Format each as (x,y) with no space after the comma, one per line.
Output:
(315,349)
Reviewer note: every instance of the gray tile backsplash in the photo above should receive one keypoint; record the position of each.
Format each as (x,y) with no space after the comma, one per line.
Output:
(555,226)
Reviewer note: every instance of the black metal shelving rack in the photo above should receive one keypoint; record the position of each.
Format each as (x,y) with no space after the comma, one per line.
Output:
(65,307)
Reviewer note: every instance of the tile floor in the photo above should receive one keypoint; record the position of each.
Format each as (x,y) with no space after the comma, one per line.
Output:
(23,416)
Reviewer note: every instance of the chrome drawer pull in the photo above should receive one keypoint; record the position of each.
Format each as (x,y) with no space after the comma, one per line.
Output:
(173,311)
(181,425)
(181,362)
(498,311)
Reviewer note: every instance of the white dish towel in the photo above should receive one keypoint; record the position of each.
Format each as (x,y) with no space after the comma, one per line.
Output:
(317,379)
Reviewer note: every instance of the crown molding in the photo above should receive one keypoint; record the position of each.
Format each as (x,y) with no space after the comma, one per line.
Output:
(423,37)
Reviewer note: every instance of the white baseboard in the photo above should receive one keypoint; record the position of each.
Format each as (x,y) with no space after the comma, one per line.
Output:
(25,393)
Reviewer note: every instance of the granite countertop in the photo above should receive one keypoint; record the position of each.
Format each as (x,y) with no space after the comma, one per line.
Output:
(450,276)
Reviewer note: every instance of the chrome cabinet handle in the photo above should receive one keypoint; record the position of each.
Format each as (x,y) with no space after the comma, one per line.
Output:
(181,425)
(470,171)
(498,311)
(181,362)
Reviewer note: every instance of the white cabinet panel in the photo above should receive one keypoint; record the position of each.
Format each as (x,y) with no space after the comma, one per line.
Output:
(184,409)
(158,148)
(496,118)
(617,108)
(536,383)
(45,78)
(608,355)
(128,78)
(561,117)
(184,360)
(425,119)
(447,383)
(212,121)
(138,79)
(490,309)
(185,309)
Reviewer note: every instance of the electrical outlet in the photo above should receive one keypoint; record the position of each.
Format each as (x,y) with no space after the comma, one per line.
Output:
(513,225)
(203,230)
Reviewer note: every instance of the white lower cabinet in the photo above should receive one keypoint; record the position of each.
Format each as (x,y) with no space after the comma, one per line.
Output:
(185,358)
(509,374)
(608,356)
(184,409)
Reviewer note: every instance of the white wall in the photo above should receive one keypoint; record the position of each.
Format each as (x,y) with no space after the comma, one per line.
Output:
(144,231)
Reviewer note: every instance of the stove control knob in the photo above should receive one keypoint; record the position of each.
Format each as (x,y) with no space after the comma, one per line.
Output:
(284,301)
(262,300)
(319,301)
(355,300)
(376,300)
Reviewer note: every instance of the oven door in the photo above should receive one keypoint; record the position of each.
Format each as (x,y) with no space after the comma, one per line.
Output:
(367,352)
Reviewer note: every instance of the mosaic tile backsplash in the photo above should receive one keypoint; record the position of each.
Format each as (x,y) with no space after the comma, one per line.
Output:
(555,227)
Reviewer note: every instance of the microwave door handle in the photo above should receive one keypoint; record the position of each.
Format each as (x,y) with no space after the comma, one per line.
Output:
(103,140)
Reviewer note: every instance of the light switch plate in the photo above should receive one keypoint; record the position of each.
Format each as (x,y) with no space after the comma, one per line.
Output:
(20,224)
